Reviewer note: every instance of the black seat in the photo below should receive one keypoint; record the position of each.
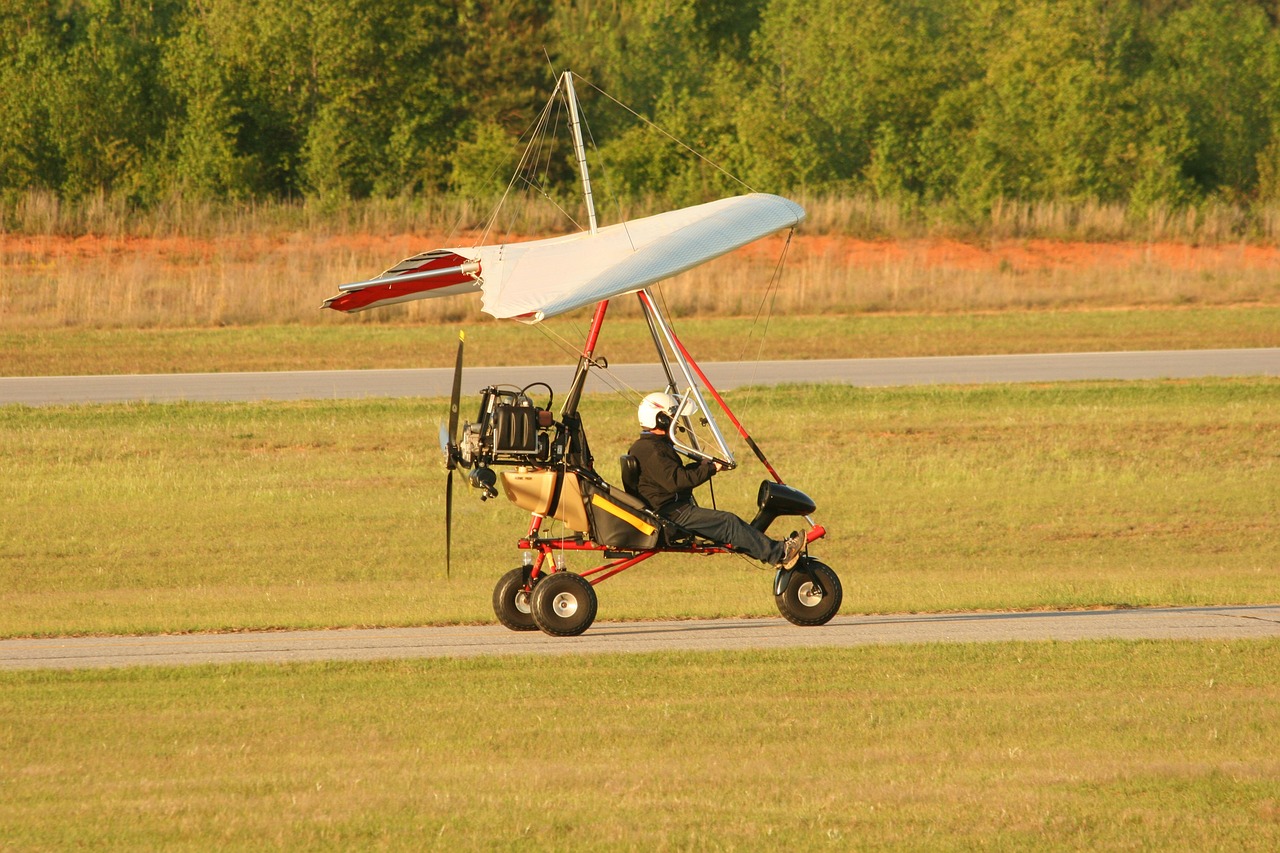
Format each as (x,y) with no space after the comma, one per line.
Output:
(672,533)
(630,475)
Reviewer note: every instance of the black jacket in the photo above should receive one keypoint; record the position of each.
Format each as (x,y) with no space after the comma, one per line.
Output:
(664,476)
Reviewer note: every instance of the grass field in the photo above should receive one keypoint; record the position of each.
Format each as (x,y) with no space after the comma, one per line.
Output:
(79,351)
(142,519)
(146,518)
(1042,746)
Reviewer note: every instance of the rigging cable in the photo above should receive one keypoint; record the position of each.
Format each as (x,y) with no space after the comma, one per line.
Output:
(535,134)
(770,297)
(529,164)
(607,376)
(672,137)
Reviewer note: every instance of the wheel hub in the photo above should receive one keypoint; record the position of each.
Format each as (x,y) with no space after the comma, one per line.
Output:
(522,602)
(809,594)
(565,604)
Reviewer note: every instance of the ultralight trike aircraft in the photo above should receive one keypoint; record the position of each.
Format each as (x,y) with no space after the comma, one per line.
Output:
(548,467)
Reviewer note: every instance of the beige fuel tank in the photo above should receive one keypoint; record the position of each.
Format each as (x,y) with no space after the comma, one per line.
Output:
(532,490)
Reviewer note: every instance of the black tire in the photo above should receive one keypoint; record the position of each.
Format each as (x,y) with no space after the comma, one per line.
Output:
(511,601)
(812,594)
(564,604)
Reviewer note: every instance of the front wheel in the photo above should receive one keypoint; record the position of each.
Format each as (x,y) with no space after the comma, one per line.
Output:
(564,604)
(811,593)
(511,601)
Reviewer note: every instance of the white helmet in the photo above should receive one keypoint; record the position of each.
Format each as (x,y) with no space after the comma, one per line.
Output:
(657,410)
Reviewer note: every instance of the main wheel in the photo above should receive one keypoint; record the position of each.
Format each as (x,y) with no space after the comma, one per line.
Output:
(812,594)
(564,604)
(511,601)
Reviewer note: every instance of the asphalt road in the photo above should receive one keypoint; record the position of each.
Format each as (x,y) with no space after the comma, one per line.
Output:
(437,382)
(1187,623)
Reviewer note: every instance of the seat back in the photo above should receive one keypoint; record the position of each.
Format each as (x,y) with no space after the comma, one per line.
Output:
(630,474)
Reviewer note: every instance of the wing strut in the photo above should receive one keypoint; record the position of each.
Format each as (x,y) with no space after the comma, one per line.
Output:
(686,364)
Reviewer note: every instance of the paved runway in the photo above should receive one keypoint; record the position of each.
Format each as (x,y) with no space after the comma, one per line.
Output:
(1185,623)
(437,382)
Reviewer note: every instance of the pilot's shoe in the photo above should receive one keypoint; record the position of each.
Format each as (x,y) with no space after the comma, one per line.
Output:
(794,546)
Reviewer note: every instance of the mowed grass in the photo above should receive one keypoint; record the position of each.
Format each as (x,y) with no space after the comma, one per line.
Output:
(160,518)
(343,345)
(1028,746)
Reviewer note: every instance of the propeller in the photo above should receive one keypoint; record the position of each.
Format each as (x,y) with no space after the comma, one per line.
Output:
(448,443)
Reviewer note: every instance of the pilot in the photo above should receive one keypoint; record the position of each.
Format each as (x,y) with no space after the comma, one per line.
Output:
(667,484)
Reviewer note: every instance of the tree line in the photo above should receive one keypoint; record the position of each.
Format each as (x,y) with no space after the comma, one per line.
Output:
(959,102)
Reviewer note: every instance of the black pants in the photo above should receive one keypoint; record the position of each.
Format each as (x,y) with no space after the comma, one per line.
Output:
(725,527)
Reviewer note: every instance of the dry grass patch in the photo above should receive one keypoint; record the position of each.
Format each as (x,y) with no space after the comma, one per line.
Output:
(50,281)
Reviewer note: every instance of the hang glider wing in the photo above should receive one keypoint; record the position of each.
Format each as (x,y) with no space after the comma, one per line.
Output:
(534,280)
(549,277)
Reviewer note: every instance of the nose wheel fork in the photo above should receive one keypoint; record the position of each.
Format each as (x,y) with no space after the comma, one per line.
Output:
(809,594)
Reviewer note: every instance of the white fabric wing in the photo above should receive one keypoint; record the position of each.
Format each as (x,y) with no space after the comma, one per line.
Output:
(543,278)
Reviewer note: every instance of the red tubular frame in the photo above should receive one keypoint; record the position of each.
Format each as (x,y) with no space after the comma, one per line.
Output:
(597,320)
(547,548)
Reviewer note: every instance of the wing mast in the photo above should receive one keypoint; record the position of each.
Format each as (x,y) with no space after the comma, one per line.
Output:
(575,126)
(657,324)
(585,360)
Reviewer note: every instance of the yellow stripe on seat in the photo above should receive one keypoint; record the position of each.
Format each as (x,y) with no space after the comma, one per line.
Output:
(613,509)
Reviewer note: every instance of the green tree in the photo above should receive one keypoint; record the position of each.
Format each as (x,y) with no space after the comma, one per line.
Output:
(636,51)
(858,92)
(243,76)
(334,99)
(209,149)
(501,83)
(29,42)
(378,70)
(1218,62)
(86,113)
(1056,113)
(1139,101)
(656,60)
(729,26)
